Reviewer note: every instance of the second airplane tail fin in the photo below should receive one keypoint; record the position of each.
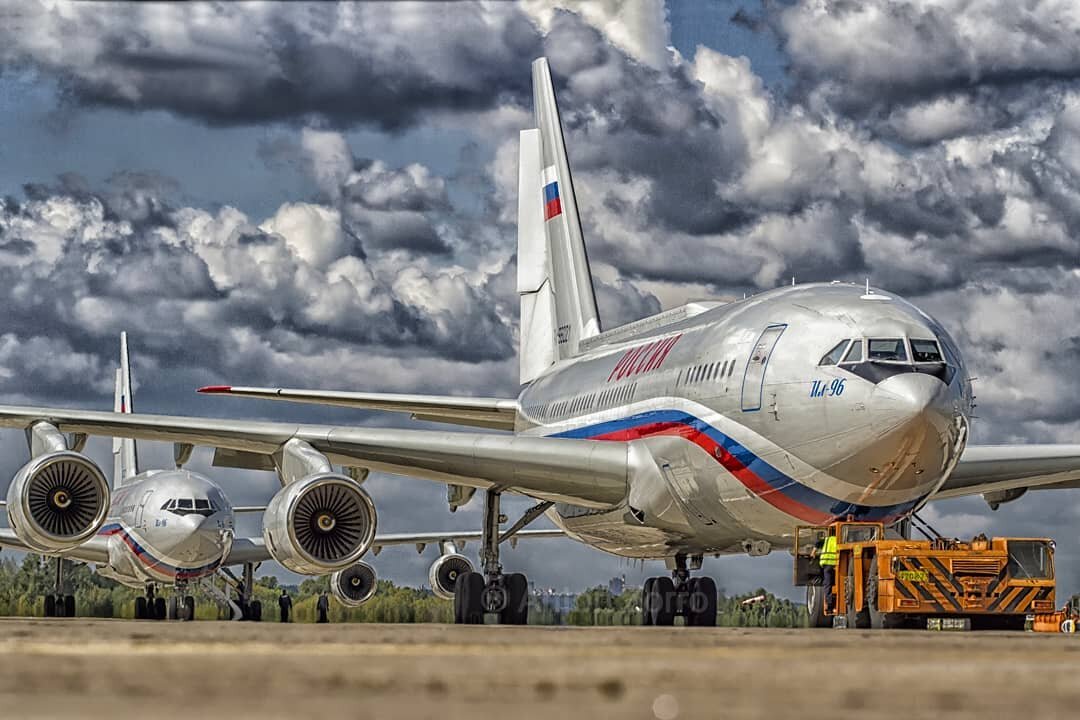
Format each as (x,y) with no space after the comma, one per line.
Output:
(125,455)
(558,305)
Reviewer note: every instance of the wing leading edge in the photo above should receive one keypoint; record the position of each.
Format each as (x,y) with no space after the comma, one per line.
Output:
(584,472)
(488,413)
(997,468)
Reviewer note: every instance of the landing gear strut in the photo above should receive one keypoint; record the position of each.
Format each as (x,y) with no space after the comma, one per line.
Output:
(181,605)
(479,593)
(245,589)
(663,598)
(58,604)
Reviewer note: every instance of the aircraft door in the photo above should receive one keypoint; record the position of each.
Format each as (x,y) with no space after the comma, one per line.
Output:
(139,511)
(754,375)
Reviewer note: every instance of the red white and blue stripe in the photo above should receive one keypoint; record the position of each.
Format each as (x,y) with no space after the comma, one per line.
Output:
(552,200)
(156,564)
(759,477)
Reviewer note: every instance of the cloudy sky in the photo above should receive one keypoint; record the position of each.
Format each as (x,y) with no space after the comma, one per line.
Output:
(324,196)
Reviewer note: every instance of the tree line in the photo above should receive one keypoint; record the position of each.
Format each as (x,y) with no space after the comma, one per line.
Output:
(24,585)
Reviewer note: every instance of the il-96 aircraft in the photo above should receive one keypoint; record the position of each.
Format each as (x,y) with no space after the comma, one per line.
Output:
(175,528)
(712,428)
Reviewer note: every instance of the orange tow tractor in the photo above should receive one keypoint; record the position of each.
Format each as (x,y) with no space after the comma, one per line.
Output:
(892,582)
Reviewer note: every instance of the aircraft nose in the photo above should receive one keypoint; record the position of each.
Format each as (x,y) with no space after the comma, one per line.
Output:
(916,426)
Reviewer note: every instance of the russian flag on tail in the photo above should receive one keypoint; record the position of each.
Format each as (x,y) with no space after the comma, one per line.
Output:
(552,203)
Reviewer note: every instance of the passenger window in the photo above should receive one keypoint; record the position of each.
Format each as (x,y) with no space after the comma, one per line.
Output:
(854,353)
(833,356)
(926,351)
(891,349)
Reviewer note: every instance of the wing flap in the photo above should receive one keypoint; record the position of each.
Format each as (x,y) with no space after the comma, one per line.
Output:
(491,413)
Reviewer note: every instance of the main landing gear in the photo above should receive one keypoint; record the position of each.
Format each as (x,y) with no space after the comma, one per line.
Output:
(151,606)
(58,604)
(662,598)
(477,594)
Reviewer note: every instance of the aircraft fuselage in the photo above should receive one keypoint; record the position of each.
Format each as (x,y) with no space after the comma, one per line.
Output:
(752,433)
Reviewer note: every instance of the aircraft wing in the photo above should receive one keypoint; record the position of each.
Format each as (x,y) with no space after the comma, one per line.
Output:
(585,472)
(95,550)
(489,413)
(246,550)
(994,468)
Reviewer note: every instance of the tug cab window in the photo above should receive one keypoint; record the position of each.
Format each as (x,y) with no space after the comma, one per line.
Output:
(888,349)
(926,351)
(833,356)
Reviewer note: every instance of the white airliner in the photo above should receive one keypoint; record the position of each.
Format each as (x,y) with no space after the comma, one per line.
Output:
(176,528)
(716,427)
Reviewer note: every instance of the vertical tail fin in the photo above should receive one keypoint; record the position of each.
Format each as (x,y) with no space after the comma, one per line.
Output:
(125,456)
(554,280)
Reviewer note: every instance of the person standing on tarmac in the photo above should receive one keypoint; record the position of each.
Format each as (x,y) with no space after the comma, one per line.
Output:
(323,606)
(827,557)
(285,605)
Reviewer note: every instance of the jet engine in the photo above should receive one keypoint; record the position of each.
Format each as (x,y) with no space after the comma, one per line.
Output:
(444,573)
(354,585)
(57,501)
(319,524)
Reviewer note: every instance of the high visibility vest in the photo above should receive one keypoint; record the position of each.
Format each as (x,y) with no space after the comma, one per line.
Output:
(828,554)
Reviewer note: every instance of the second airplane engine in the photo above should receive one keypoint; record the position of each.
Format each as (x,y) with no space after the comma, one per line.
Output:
(319,524)
(444,573)
(354,585)
(57,501)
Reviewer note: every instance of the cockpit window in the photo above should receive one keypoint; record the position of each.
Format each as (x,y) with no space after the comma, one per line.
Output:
(833,356)
(854,354)
(926,351)
(191,506)
(888,349)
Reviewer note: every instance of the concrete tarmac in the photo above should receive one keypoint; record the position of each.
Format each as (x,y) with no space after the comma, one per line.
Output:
(112,668)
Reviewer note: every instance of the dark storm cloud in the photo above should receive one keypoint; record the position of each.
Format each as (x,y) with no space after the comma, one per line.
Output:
(222,63)
(929,72)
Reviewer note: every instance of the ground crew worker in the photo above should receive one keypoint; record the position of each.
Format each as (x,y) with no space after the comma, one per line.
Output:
(323,606)
(285,605)
(827,557)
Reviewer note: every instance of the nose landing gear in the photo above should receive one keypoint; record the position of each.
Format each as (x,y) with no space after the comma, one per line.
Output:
(664,598)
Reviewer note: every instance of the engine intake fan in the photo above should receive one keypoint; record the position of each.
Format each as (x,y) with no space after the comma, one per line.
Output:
(57,501)
(354,585)
(444,573)
(319,524)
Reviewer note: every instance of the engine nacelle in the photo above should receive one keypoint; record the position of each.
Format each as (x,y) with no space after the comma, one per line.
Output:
(57,501)
(354,585)
(319,524)
(444,573)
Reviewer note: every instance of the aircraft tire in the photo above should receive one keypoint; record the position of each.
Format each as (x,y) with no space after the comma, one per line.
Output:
(174,608)
(140,609)
(50,606)
(646,601)
(662,602)
(468,591)
(189,608)
(516,611)
(855,620)
(702,607)
(159,611)
(69,606)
